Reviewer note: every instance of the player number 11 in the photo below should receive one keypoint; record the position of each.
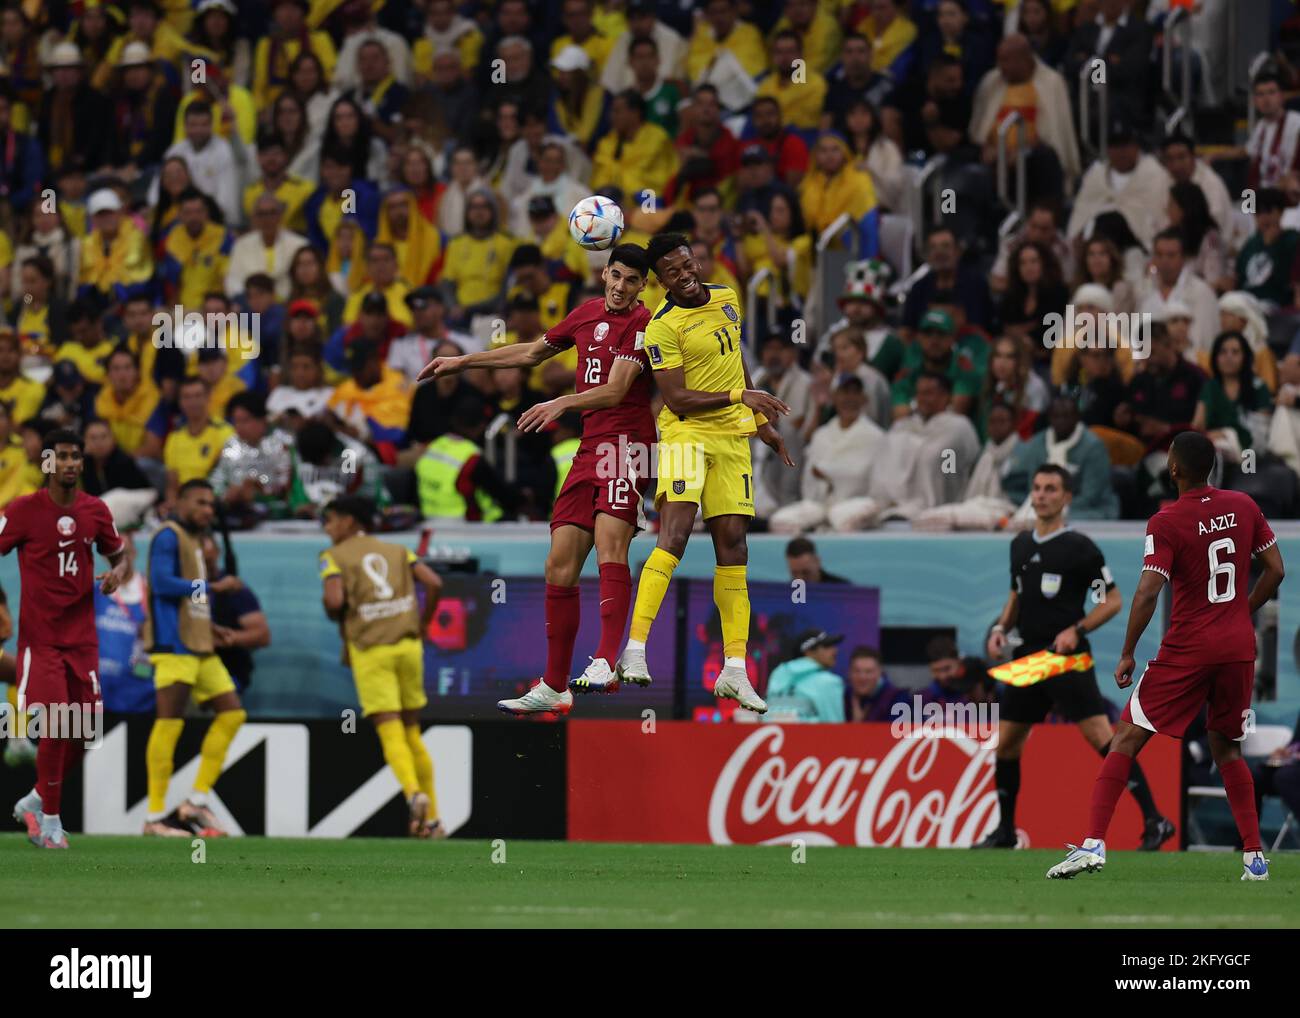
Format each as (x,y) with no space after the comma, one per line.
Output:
(725,342)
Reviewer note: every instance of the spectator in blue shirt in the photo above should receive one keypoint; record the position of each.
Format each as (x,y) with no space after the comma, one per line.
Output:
(870,695)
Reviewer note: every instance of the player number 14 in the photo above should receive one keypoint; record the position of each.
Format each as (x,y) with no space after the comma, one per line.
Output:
(68,563)
(1226,569)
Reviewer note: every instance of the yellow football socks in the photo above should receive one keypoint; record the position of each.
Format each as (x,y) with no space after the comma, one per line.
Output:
(212,754)
(423,767)
(159,755)
(731,595)
(650,590)
(397,754)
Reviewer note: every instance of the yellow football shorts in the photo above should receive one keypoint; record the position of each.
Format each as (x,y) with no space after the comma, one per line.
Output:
(205,672)
(712,470)
(389,677)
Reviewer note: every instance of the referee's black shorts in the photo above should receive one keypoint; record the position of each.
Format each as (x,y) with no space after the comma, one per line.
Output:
(1075,696)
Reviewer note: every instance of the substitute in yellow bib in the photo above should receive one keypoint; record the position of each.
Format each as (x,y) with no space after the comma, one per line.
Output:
(369,587)
(710,411)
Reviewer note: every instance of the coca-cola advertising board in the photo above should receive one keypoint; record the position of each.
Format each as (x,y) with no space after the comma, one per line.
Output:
(836,785)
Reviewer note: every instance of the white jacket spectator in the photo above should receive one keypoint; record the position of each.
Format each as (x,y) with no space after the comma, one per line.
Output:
(781,375)
(252,253)
(839,463)
(1140,195)
(617,75)
(346,75)
(1172,281)
(215,172)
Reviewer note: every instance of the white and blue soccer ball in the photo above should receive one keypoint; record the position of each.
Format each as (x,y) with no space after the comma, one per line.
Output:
(596,223)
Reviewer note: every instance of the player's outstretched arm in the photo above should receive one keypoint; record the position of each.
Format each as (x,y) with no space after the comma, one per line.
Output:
(515,355)
(1139,617)
(612,393)
(1270,561)
(767,432)
(684,401)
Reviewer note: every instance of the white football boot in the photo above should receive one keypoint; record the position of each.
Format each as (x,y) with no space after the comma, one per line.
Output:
(1256,866)
(598,677)
(541,699)
(632,667)
(733,684)
(1089,858)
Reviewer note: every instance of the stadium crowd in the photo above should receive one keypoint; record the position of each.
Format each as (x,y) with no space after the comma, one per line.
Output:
(344,190)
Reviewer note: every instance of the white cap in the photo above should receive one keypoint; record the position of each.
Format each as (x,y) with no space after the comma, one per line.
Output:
(571,58)
(1175,308)
(135,53)
(103,200)
(65,54)
(1093,295)
(207,5)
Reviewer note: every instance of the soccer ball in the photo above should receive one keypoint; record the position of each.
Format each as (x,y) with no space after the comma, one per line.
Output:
(596,223)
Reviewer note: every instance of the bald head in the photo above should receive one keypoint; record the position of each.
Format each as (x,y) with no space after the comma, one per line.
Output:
(1016,59)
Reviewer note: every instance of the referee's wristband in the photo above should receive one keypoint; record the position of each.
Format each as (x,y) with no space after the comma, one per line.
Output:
(759,419)
(734,395)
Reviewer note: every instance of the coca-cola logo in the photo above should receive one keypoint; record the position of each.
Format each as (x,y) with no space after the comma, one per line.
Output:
(922,793)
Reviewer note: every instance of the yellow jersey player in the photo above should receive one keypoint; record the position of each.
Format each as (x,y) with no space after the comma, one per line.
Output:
(370,588)
(710,411)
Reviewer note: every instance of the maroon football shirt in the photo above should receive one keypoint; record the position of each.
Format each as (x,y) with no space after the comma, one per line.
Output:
(1202,544)
(602,337)
(56,564)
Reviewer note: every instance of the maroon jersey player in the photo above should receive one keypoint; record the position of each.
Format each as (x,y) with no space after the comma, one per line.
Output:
(600,502)
(1202,546)
(56,531)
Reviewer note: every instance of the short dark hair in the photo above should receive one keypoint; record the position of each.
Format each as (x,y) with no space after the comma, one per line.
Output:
(122,350)
(315,441)
(259,281)
(940,648)
(191,380)
(1270,199)
(191,193)
(634,100)
(1170,233)
(642,43)
(1194,453)
(192,484)
(1178,138)
(359,507)
(253,402)
(62,436)
(198,108)
(662,244)
(862,650)
(1067,482)
(800,546)
(1268,75)
(631,255)
(42,264)
(943,380)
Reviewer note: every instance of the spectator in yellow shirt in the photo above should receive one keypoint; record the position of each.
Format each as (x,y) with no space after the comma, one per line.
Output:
(446,30)
(818,31)
(798,89)
(581,31)
(892,37)
(579,99)
(85,346)
(382,277)
(719,29)
(195,253)
(192,448)
(127,401)
(22,395)
(115,257)
(277,51)
(292,191)
(474,270)
(14,475)
(214,368)
(636,154)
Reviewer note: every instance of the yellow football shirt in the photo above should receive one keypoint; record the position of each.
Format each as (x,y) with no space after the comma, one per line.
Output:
(194,456)
(705,342)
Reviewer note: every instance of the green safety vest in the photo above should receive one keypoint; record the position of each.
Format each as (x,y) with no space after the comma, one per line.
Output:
(436,474)
(563,455)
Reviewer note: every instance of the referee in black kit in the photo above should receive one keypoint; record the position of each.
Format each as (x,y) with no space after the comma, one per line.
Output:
(1054,571)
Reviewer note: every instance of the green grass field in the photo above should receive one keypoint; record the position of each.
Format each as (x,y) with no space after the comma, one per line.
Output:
(256,882)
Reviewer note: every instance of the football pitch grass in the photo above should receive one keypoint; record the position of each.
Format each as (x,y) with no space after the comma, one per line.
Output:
(130,882)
